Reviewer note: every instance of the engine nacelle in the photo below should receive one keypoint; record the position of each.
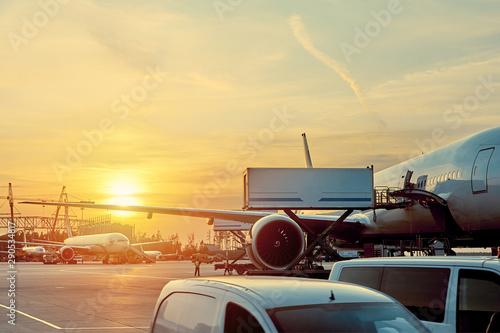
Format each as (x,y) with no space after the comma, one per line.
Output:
(274,242)
(67,253)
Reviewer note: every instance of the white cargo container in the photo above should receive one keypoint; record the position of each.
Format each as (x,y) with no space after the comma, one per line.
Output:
(308,188)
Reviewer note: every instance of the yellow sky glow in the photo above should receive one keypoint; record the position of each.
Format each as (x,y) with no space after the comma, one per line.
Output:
(164,103)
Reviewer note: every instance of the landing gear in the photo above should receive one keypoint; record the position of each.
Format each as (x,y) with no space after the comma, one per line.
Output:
(317,239)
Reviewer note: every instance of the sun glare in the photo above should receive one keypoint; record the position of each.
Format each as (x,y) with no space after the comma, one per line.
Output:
(123,201)
(122,193)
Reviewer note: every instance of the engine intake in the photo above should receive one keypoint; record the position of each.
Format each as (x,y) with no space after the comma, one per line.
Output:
(274,242)
(67,253)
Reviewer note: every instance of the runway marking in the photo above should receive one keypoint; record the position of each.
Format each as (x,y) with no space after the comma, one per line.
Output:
(35,318)
(74,328)
(126,275)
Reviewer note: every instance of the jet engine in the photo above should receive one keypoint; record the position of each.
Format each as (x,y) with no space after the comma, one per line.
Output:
(67,253)
(274,242)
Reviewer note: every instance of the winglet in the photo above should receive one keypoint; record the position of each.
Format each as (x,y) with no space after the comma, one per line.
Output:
(306,150)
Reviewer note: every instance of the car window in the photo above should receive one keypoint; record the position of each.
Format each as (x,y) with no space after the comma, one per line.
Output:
(421,290)
(365,276)
(478,298)
(238,319)
(345,317)
(186,312)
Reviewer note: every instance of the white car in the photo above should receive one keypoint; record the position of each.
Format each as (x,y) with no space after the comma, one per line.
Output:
(277,304)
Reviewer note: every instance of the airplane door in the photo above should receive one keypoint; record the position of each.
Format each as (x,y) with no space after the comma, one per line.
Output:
(480,170)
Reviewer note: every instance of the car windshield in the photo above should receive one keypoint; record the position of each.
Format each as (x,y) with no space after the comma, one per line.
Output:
(346,317)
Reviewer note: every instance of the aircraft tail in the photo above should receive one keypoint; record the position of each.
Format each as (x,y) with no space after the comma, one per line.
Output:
(66,217)
(306,150)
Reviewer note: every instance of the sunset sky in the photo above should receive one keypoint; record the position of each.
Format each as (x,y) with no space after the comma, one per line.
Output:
(165,103)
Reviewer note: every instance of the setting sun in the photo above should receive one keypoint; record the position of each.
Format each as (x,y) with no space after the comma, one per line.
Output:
(121,192)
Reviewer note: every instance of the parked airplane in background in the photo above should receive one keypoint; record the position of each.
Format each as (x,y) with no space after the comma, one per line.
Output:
(109,245)
(451,192)
(32,251)
(35,251)
(153,254)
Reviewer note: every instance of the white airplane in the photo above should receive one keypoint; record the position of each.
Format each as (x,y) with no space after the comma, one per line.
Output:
(35,251)
(456,194)
(153,254)
(109,244)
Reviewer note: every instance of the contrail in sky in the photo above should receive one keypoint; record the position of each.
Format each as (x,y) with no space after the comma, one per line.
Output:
(300,33)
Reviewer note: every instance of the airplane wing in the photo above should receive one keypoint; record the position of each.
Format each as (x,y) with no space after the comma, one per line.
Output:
(352,228)
(41,243)
(240,216)
(58,245)
(158,242)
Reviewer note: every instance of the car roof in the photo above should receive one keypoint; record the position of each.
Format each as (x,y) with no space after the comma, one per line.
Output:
(272,292)
(462,261)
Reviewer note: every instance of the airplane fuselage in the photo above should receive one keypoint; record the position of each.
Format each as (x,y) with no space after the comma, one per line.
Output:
(466,174)
(110,243)
(34,250)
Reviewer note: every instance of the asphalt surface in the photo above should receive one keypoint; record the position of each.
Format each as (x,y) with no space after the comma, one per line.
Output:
(88,297)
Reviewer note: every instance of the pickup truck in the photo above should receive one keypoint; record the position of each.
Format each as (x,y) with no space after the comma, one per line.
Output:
(448,294)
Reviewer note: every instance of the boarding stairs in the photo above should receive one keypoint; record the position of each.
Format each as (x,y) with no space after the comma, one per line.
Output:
(134,252)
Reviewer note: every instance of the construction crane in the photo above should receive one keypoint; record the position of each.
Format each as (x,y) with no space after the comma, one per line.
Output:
(10,197)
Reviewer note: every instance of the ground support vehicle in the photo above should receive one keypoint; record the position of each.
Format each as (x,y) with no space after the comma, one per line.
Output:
(239,268)
(274,304)
(50,259)
(317,272)
(202,257)
(448,293)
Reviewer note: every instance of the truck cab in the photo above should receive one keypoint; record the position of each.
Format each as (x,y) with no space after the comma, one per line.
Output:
(448,294)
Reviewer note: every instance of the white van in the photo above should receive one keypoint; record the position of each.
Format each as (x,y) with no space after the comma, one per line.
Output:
(448,294)
(277,304)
